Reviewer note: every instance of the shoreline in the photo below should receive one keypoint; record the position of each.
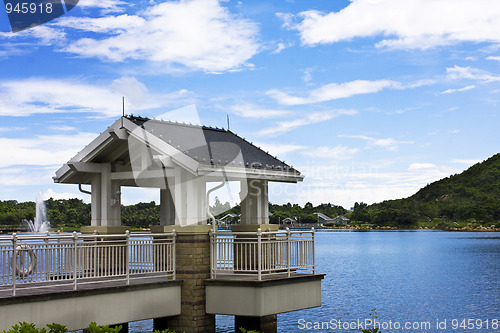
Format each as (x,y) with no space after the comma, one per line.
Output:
(467,229)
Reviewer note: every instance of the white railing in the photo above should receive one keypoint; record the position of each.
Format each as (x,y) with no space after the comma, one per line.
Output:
(50,260)
(258,255)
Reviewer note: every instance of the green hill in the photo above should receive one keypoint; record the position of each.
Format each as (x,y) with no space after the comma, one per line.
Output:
(470,197)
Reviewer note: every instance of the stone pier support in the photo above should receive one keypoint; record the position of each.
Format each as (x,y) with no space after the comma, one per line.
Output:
(193,268)
(266,324)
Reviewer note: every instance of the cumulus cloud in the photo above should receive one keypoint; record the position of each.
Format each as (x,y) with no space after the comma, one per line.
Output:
(50,193)
(40,150)
(409,24)
(24,176)
(470,73)
(346,183)
(195,34)
(333,91)
(30,96)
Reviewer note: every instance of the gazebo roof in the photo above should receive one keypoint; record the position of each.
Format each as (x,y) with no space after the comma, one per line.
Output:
(203,151)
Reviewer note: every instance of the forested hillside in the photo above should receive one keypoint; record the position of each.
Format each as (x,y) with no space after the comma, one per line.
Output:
(470,197)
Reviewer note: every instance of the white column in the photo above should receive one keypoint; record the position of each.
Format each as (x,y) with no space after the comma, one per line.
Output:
(195,201)
(95,200)
(110,198)
(254,205)
(167,207)
(187,197)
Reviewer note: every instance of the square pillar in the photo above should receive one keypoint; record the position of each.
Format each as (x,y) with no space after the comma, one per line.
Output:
(193,268)
(110,198)
(266,324)
(95,199)
(255,202)
(167,207)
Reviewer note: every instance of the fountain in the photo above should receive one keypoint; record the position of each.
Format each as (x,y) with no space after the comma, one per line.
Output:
(40,224)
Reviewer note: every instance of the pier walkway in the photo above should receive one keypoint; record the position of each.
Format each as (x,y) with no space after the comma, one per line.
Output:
(75,279)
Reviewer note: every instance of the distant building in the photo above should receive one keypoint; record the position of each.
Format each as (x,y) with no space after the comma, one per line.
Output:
(322,218)
(229,218)
(341,220)
(288,221)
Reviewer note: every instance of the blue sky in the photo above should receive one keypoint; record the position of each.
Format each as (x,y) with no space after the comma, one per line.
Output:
(369,99)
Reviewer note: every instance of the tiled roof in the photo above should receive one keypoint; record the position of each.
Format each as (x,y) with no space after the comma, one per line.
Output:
(211,146)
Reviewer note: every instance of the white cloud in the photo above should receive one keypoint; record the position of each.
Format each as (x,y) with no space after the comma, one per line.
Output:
(457,73)
(247,110)
(50,193)
(313,118)
(106,6)
(185,114)
(467,162)
(108,24)
(307,76)
(410,24)
(63,128)
(345,184)
(31,96)
(336,153)
(333,91)
(195,34)
(278,150)
(25,176)
(387,143)
(280,47)
(496,58)
(449,91)
(420,166)
(42,150)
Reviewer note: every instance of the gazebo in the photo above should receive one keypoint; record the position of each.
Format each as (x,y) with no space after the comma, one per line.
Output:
(186,163)
(178,159)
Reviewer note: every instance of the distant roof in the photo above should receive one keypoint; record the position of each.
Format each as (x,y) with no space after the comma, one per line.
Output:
(202,150)
(323,216)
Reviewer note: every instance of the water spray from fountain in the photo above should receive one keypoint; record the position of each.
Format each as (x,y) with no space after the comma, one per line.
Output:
(40,224)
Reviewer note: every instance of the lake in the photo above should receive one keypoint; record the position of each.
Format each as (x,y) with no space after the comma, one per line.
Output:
(431,280)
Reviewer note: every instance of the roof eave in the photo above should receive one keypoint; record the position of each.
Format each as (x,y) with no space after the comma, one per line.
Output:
(238,173)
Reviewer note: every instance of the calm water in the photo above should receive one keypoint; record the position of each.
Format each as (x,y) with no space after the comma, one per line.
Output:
(416,277)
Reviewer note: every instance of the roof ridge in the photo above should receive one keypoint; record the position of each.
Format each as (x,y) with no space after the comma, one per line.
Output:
(134,118)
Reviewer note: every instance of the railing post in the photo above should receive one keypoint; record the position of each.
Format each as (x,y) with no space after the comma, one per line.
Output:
(127,256)
(174,255)
(75,267)
(288,256)
(58,254)
(259,253)
(313,251)
(46,256)
(14,263)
